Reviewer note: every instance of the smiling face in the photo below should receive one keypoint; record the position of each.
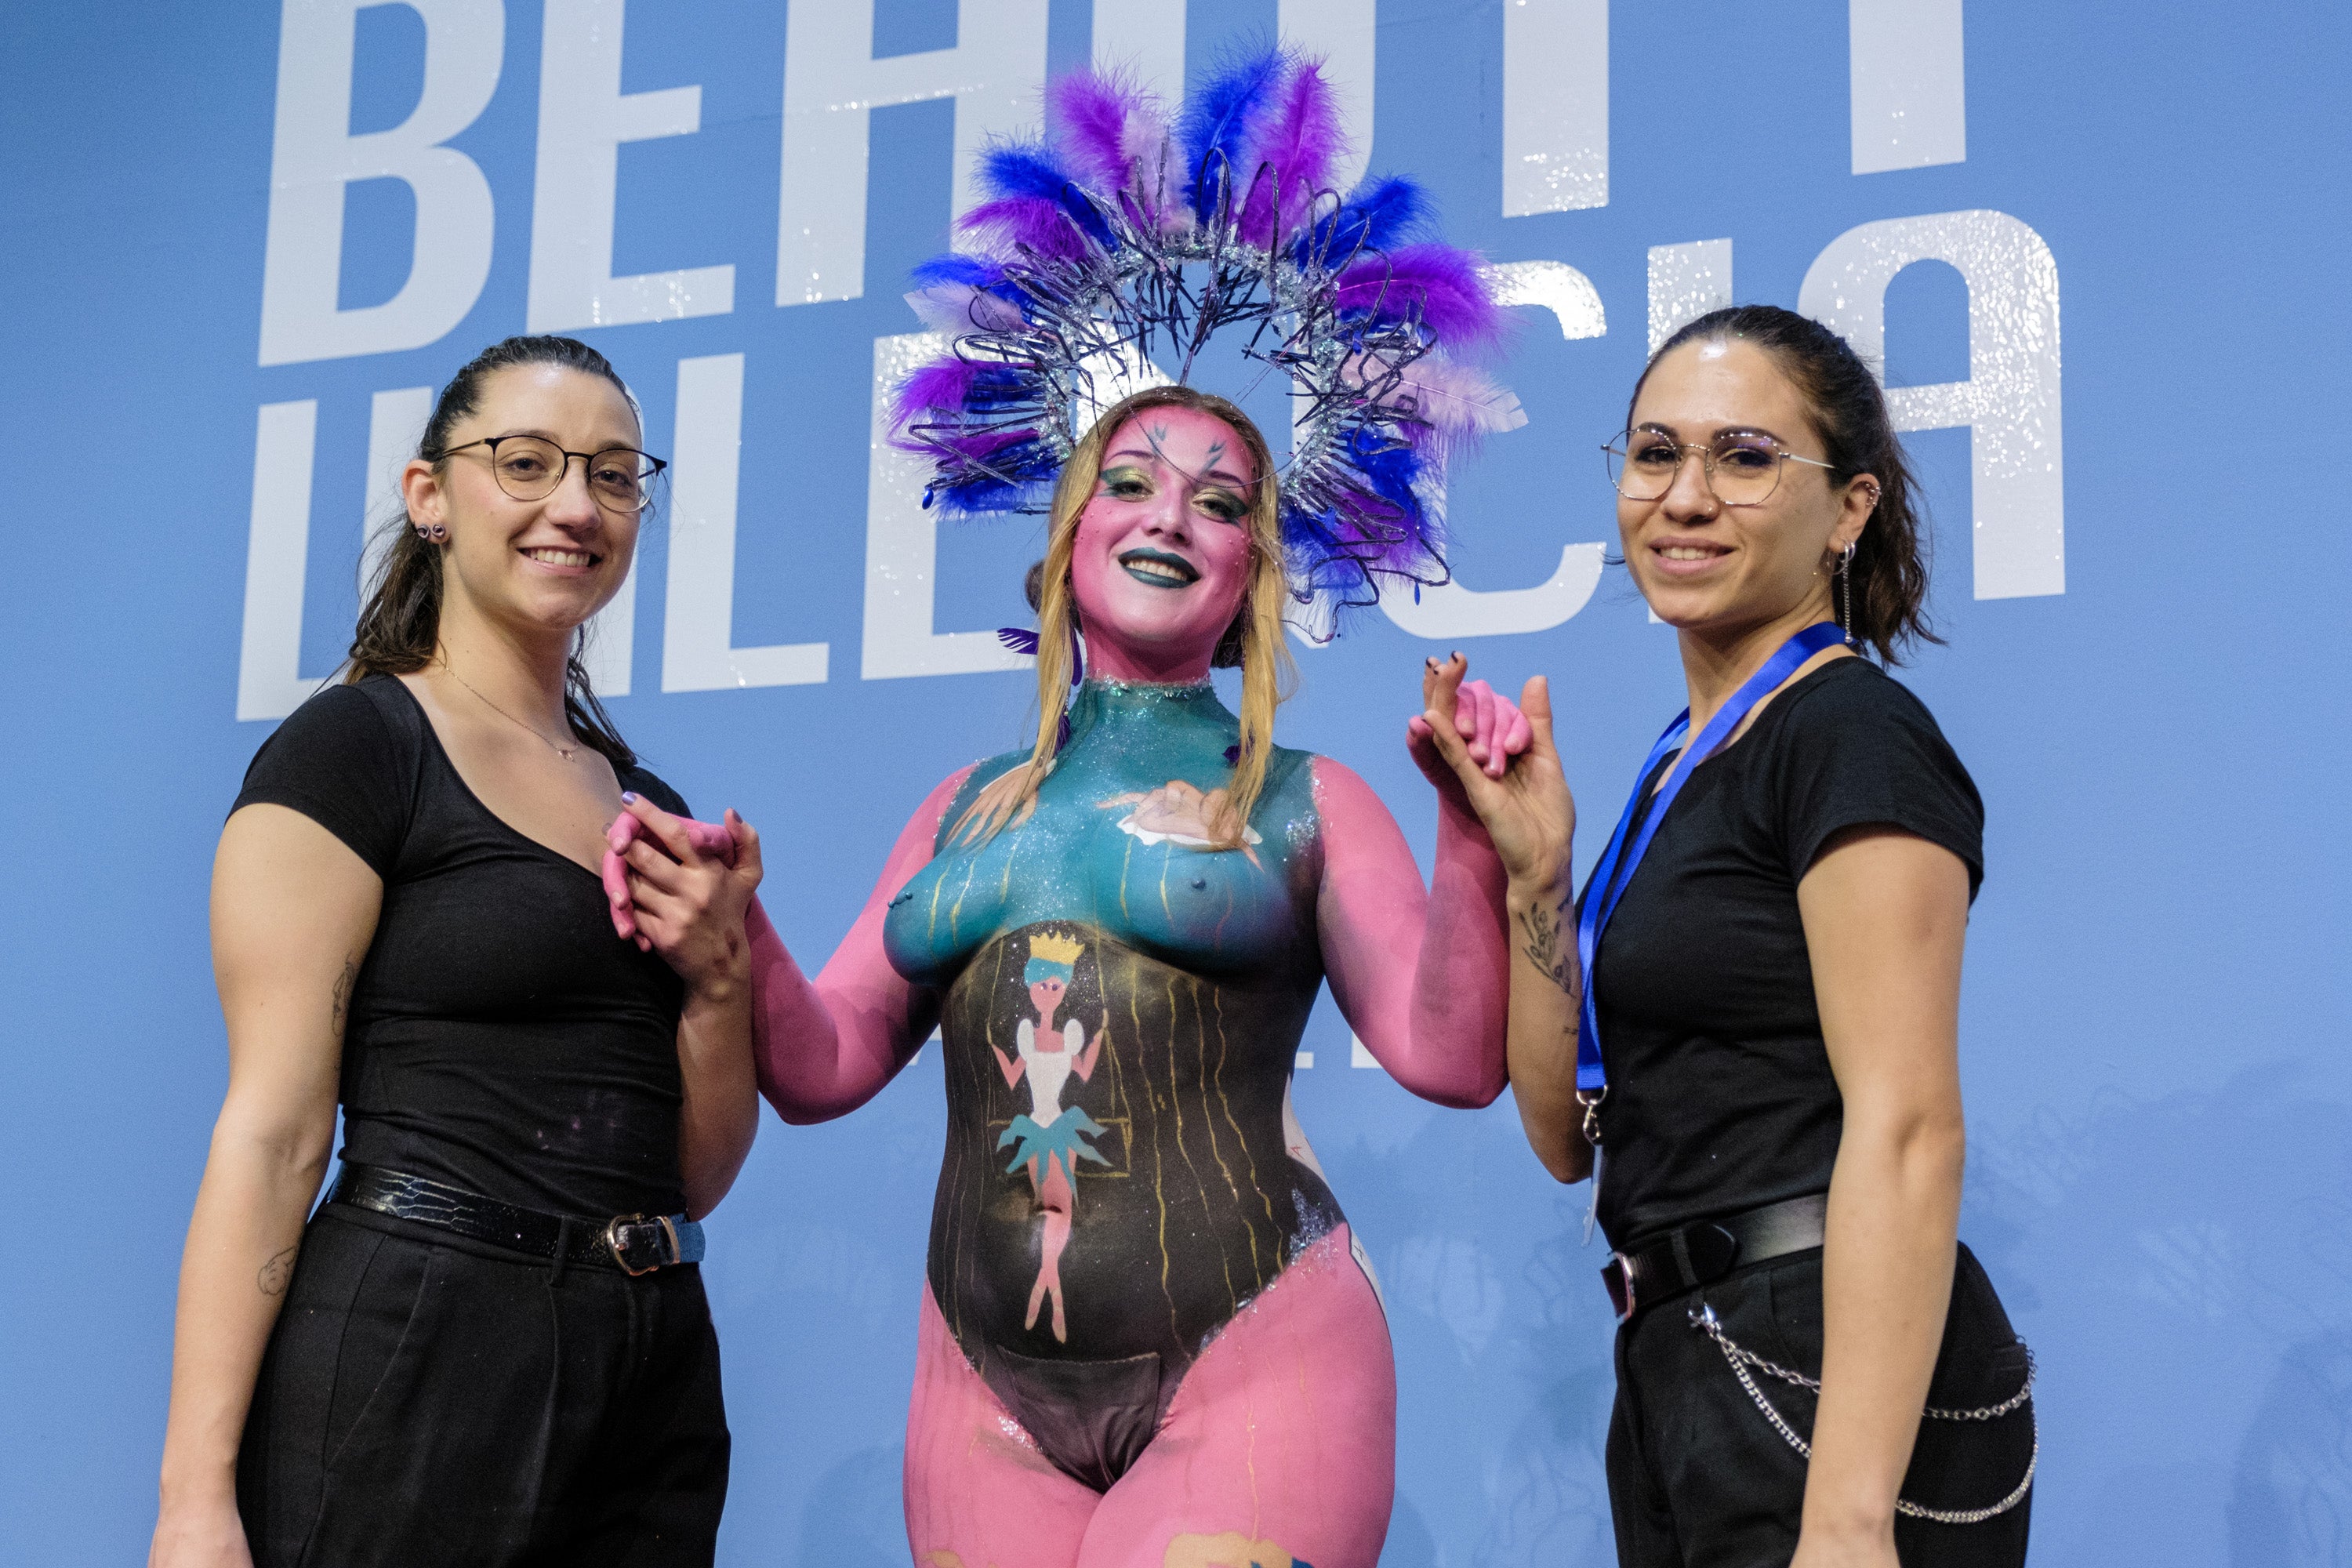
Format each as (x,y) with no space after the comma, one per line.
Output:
(1162,556)
(1705,567)
(535,567)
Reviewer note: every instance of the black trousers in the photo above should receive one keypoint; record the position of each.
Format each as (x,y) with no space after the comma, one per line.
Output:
(426,1399)
(1699,1479)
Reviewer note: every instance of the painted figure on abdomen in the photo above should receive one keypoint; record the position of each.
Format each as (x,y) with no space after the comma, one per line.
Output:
(1051,1138)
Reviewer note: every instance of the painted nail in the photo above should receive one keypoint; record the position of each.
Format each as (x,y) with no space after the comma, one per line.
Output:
(629,796)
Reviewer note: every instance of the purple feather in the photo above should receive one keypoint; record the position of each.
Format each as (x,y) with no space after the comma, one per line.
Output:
(1437,283)
(1020,639)
(1088,114)
(1010,224)
(940,386)
(1291,149)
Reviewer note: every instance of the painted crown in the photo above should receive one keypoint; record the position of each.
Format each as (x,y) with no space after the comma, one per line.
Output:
(1054,948)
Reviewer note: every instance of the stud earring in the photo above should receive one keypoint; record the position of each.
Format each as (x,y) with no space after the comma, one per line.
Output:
(434,534)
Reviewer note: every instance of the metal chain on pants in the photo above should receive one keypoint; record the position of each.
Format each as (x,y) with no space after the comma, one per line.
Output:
(1703,1318)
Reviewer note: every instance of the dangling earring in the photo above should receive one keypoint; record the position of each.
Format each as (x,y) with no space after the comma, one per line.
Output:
(1845,592)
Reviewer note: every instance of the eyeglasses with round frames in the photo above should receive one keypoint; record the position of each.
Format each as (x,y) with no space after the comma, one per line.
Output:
(529,468)
(1742,468)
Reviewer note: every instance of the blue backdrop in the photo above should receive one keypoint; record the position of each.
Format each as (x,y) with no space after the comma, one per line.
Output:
(238,240)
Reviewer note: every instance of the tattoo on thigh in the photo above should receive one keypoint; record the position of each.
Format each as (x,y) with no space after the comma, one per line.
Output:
(277,1272)
(1547,947)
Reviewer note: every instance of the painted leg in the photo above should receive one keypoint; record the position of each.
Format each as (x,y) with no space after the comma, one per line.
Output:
(1280,1446)
(1057,1199)
(979,1494)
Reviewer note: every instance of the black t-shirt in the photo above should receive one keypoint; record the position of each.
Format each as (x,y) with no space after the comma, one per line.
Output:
(502,1037)
(1720,1096)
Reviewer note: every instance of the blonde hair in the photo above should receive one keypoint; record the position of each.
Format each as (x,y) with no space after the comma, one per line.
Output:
(1267,672)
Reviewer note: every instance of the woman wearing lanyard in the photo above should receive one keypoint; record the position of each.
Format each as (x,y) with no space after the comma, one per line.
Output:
(491,1344)
(1763,1072)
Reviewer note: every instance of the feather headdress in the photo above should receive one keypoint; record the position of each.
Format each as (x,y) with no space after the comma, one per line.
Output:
(1130,234)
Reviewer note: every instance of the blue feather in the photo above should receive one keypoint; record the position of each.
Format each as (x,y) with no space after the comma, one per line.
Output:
(1026,169)
(957,268)
(1217,121)
(1381,216)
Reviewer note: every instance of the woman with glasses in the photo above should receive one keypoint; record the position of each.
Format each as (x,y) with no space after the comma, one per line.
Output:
(1762,1073)
(490,1344)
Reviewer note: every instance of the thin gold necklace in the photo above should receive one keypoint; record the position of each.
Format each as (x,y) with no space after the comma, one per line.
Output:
(566,752)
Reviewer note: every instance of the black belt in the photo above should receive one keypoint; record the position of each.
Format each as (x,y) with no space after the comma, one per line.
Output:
(633,1243)
(1701,1254)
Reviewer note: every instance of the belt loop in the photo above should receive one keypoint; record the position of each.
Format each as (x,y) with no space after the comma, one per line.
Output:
(562,1250)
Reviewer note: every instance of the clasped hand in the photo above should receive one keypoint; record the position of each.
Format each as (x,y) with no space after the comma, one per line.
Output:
(1496,759)
(679,888)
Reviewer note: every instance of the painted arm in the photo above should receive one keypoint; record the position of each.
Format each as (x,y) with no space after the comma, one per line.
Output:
(1422,974)
(822,1049)
(293,910)
(1886,914)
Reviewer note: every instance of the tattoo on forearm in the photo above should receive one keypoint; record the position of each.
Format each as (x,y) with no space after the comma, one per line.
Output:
(276,1273)
(342,997)
(1547,947)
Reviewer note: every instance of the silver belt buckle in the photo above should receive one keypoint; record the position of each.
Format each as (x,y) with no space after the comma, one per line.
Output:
(618,1245)
(1622,1296)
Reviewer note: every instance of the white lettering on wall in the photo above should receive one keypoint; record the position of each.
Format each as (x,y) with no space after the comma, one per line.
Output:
(1144,40)
(269,679)
(698,627)
(314,157)
(2011,401)
(1555,106)
(584,118)
(1451,611)
(902,547)
(1342,32)
(1687,281)
(833,84)
(1908,84)
(269,682)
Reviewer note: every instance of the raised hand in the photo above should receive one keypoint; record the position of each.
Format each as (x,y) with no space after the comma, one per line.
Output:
(686,890)
(1518,792)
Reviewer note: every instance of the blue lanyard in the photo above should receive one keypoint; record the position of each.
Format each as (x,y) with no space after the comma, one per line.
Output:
(1607,883)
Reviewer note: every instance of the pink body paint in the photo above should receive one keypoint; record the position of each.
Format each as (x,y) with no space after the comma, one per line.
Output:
(1283,1431)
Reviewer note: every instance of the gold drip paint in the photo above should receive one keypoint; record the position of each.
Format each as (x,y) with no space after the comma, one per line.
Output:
(1166,853)
(1257,1265)
(1175,1098)
(1158,1187)
(1127,859)
(955,911)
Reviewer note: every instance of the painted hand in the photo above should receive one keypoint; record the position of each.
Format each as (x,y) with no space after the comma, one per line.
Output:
(1180,811)
(711,839)
(1491,725)
(687,896)
(1526,808)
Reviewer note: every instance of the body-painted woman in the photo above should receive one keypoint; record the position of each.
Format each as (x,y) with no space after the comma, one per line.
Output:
(1146,1318)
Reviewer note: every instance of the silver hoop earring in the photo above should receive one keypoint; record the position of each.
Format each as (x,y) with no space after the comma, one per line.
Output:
(1846,589)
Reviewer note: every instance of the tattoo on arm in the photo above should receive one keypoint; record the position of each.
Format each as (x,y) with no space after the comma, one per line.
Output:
(276,1273)
(1547,947)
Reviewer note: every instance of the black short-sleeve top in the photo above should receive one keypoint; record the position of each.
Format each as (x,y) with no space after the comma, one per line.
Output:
(501,1037)
(1720,1095)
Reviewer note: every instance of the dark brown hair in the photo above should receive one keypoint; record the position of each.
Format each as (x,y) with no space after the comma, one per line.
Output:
(1888,573)
(400,617)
